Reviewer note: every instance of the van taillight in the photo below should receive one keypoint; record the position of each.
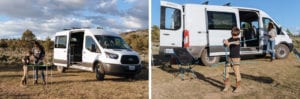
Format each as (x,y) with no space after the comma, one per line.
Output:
(186,39)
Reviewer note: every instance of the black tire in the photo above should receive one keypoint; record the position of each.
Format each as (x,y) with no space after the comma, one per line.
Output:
(60,69)
(208,61)
(282,51)
(99,70)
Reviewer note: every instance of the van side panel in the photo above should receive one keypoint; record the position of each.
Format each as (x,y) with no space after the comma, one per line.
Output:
(195,23)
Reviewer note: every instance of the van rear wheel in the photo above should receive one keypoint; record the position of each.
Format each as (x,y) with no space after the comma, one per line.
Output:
(208,60)
(60,69)
(99,71)
(282,51)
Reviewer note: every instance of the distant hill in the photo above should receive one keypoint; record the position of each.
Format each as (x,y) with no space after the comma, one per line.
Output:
(138,40)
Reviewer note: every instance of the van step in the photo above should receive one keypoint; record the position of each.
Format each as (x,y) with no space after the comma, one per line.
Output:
(249,49)
(81,67)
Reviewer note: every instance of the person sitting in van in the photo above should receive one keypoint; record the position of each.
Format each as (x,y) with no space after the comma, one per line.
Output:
(234,59)
(38,53)
(26,61)
(271,43)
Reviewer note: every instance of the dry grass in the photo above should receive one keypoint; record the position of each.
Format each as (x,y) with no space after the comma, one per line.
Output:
(72,84)
(261,79)
(279,79)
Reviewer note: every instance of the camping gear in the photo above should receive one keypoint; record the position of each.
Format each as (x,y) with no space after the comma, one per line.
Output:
(184,60)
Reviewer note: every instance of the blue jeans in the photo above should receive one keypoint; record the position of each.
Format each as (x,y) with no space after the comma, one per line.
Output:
(271,48)
(36,70)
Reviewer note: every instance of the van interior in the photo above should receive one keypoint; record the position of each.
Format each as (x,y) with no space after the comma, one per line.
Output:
(76,45)
(249,29)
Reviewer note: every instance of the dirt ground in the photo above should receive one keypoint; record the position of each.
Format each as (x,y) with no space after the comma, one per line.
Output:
(72,84)
(261,79)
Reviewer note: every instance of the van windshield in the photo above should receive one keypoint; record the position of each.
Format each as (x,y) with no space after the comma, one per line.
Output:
(111,42)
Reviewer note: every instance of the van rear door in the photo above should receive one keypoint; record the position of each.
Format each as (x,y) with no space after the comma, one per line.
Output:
(171,25)
(220,20)
(61,47)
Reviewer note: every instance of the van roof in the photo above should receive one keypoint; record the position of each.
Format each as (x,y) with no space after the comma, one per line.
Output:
(219,6)
(89,31)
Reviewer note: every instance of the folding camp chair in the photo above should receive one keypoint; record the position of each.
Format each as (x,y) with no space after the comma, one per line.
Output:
(184,60)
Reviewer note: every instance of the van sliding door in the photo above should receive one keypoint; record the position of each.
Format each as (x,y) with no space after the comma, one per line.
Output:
(220,23)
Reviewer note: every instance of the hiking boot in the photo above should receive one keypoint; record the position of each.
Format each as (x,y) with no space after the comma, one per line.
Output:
(238,87)
(35,82)
(227,85)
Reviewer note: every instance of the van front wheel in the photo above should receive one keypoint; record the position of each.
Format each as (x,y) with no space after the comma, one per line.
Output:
(208,60)
(99,71)
(282,51)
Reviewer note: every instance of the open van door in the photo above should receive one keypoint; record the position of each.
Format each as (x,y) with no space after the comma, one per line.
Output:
(171,25)
(61,50)
(220,23)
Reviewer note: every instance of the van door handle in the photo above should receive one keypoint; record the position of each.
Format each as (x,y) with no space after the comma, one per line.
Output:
(166,34)
(201,32)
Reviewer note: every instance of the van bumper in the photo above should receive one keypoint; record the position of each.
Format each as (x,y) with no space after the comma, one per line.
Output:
(120,69)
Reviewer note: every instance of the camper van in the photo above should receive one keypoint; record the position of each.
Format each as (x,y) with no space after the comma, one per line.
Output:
(95,50)
(201,29)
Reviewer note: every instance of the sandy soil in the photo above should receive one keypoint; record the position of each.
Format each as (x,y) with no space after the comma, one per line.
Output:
(72,84)
(261,79)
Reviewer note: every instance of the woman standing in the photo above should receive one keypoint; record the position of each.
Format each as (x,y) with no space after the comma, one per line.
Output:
(271,43)
(38,53)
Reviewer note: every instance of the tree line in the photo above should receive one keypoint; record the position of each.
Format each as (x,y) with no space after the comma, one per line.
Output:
(25,42)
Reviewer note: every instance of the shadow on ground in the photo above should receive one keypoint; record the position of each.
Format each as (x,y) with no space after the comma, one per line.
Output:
(199,76)
(214,82)
(260,79)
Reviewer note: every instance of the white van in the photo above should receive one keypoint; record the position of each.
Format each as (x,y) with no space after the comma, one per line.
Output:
(202,28)
(95,50)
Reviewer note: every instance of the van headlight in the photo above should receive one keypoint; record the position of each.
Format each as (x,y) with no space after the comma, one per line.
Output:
(111,55)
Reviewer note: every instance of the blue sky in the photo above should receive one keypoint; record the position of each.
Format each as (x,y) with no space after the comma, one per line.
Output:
(284,12)
(45,17)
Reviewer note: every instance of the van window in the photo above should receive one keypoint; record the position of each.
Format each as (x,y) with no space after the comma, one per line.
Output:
(266,23)
(221,20)
(90,45)
(170,18)
(112,42)
(60,41)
